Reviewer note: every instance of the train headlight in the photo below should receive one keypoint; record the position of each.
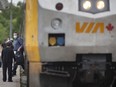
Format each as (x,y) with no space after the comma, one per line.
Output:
(100,5)
(52,41)
(94,6)
(87,5)
(56,23)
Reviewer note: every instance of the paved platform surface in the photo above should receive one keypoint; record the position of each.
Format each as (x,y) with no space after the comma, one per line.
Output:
(15,83)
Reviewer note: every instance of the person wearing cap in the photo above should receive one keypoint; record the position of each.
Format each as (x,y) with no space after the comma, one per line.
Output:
(7,60)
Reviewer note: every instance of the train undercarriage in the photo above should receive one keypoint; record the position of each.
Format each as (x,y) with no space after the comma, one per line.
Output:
(89,70)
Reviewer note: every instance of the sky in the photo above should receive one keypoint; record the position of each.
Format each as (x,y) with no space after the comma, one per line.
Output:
(15,1)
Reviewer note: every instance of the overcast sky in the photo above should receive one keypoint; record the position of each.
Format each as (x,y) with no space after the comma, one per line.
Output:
(15,1)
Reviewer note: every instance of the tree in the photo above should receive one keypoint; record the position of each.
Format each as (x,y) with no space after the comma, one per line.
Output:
(17,13)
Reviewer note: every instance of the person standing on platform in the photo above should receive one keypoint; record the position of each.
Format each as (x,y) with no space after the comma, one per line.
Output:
(18,47)
(7,60)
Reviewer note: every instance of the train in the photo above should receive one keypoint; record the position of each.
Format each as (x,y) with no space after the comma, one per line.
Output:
(70,43)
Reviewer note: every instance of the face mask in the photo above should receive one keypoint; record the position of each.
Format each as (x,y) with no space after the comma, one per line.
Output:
(15,37)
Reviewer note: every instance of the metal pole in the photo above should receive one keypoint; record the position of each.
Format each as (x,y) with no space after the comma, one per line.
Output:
(11,19)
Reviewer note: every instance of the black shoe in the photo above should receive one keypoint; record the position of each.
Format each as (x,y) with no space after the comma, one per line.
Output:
(4,80)
(10,81)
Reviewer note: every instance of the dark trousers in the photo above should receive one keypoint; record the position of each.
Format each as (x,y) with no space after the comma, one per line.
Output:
(5,67)
(16,65)
(15,68)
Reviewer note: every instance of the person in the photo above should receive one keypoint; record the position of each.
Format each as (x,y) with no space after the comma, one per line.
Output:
(17,47)
(4,43)
(7,60)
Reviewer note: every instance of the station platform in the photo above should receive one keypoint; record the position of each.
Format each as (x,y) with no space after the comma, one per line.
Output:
(15,83)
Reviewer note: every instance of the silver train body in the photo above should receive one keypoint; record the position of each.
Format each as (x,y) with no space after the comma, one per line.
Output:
(76,42)
(72,39)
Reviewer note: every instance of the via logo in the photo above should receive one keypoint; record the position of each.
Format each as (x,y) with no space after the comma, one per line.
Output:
(92,27)
(109,27)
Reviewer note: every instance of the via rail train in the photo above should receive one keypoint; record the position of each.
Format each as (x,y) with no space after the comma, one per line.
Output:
(71,43)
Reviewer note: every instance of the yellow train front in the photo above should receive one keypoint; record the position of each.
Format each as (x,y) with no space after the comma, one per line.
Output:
(71,43)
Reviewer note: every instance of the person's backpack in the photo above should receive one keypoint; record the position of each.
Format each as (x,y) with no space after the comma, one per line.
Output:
(19,58)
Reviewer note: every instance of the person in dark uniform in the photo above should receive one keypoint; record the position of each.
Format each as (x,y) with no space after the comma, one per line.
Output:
(7,60)
(18,47)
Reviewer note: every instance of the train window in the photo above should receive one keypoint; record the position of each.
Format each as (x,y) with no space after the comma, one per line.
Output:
(94,6)
(56,39)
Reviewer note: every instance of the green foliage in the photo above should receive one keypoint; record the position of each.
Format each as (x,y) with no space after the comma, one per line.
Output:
(3,33)
(17,13)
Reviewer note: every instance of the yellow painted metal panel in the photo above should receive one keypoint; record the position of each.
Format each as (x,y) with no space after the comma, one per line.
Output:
(31,31)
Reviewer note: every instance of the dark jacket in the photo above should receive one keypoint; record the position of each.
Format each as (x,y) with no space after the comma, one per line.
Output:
(18,42)
(7,55)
